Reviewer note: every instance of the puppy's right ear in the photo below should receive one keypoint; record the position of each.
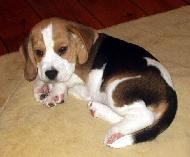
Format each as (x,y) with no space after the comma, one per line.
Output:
(30,70)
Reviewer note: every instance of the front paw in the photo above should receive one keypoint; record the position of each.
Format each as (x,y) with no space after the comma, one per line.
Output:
(49,94)
(97,110)
(45,95)
(41,93)
(53,99)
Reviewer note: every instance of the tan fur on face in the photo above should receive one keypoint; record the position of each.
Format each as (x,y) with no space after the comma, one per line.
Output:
(77,38)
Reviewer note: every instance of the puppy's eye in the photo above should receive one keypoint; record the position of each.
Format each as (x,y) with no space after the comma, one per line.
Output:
(39,53)
(62,50)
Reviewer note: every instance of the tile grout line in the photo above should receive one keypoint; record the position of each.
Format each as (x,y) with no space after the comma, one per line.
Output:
(10,96)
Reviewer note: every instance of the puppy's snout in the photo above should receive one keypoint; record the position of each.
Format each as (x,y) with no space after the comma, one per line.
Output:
(51,74)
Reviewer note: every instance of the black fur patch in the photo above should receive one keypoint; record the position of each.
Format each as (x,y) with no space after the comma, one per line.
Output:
(118,55)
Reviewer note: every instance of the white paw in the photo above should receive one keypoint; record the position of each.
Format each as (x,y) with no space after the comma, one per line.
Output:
(97,110)
(53,100)
(116,139)
(41,92)
(110,139)
(49,95)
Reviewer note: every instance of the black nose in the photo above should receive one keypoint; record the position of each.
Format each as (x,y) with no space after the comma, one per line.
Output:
(51,74)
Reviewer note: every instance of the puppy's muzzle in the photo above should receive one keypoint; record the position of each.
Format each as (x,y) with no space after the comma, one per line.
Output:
(51,74)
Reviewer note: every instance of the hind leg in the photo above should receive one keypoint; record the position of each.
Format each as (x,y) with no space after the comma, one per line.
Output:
(137,117)
(104,112)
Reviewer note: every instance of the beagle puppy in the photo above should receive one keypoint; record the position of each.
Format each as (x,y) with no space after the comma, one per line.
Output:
(121,82)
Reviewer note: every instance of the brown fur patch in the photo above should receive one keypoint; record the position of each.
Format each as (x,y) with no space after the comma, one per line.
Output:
(83,39)
(149,88)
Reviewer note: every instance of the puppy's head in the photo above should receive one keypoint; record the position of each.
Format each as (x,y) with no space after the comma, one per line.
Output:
(54,47)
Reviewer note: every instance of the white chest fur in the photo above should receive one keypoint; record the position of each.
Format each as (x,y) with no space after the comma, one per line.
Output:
(94,85)
(74,80)
(89,91)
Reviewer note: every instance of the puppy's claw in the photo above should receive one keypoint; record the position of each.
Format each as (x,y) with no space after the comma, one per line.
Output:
(51,105)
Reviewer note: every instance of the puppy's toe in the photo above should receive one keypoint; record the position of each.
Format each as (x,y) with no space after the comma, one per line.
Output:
(58,98)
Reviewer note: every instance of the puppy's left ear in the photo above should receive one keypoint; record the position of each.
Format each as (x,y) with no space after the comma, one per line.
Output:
(86,38)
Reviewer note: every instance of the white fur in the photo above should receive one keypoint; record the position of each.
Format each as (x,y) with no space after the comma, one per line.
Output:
(104,112)
(53,60)
(136,117)
(162,69)
(94,84)
(122,142)
(77,88)
(74,80)
(48,37)
(80,91)
(91,90)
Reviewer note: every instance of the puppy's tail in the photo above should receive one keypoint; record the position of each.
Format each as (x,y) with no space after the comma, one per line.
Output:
(151,133)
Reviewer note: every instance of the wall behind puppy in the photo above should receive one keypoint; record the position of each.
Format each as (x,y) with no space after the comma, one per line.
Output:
(17,17)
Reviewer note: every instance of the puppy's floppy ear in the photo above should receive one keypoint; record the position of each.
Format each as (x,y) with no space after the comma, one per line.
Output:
(86,36)
(30,70)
